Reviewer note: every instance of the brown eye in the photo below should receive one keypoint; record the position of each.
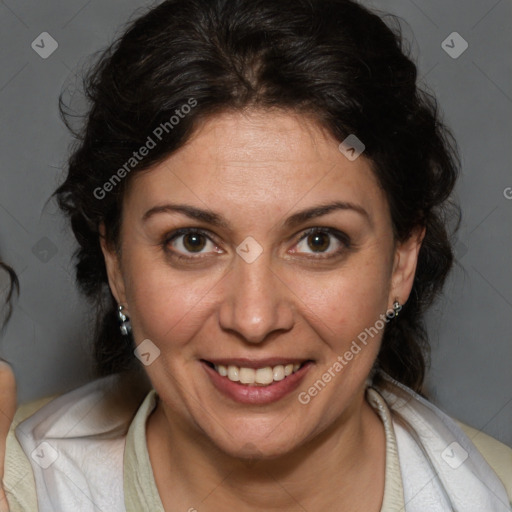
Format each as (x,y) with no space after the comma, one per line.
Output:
(320,240)
(193,242)
(187,242)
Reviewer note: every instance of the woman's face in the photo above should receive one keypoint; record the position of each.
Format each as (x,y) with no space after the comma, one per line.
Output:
(250,288)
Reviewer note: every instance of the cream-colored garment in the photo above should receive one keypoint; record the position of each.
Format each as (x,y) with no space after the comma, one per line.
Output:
(140,491)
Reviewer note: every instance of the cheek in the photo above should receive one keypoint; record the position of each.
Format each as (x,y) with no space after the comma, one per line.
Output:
(345,303)
(168,304)
(165,304)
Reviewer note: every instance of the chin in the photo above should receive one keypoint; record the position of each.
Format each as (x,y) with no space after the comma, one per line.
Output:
(251,451)
(250,441)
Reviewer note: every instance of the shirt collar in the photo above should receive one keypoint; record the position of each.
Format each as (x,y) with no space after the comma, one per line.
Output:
(140,488)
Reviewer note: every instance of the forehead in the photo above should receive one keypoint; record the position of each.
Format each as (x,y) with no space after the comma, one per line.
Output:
(258,159)
(263,137)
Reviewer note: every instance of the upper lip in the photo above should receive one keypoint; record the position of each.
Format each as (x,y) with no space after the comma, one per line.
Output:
(255,363)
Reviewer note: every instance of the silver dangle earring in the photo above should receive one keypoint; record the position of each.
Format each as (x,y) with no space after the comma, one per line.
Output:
(125,322)
(396,307)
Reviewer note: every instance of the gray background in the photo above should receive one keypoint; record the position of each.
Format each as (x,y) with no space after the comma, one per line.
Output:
(47,339)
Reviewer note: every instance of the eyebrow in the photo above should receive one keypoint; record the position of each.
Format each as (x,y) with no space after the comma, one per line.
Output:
(324,209)
(215,219)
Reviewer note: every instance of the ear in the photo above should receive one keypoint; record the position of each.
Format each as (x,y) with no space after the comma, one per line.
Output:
(404,266)
(113,265)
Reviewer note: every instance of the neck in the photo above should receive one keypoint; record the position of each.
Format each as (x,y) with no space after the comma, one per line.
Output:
(333,471)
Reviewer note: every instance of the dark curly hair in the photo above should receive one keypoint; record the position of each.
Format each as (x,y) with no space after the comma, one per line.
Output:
(333,60)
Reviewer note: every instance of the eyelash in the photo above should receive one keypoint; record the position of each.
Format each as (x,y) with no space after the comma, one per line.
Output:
(340,237)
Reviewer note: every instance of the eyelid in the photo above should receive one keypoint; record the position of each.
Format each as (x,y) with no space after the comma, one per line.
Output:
(170,237)
(340,236)
(186,231)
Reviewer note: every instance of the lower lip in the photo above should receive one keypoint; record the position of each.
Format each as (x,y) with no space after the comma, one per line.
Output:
(257,395)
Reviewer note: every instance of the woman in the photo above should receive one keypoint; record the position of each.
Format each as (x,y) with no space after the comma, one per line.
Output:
(259,196)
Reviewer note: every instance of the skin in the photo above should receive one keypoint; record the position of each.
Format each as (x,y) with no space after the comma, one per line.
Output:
(256,169)
(7,411)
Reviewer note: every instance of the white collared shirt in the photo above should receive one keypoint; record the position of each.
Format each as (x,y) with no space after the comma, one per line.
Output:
(86,450)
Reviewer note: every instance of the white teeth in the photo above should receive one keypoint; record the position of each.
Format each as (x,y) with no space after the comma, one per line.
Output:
(247,375)
(264,375)
(260,376)
(233,373)
(278,372)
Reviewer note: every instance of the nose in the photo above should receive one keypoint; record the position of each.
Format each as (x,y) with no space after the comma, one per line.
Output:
(256,301)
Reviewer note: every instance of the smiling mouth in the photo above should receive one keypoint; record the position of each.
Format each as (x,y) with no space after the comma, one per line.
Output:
(264,376)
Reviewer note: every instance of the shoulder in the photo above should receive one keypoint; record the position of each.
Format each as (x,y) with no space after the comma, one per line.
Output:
(18,478)
(101,409)
(424,433)
(497,454)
